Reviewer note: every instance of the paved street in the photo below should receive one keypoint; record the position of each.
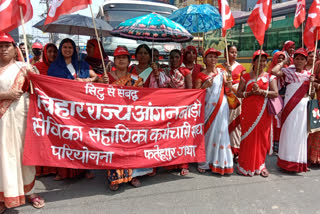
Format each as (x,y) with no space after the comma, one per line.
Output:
(196,193)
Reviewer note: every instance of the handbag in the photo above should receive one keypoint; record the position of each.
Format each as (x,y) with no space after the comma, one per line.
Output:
(313,116)
(275,105)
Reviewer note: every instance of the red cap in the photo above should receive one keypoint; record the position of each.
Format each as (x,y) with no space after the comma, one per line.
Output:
(212,50)
(37,45)
(120,51)
(257,54)
(5,37)
(301,51)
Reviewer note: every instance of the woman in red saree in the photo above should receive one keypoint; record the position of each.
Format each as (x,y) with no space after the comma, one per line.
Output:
(16,180)
(50,53)
(189,57)
(255,88)
(236,69)
(288,48)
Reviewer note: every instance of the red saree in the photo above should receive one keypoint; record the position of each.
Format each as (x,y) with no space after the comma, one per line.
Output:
(255,129)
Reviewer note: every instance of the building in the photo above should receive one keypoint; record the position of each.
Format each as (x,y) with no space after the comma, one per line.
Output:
(248,5)
(234,4)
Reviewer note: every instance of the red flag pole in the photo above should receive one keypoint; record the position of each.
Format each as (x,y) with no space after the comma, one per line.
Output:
(97,36)
(314,58)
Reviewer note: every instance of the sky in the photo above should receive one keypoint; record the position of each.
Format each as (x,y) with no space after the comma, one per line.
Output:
(38,9)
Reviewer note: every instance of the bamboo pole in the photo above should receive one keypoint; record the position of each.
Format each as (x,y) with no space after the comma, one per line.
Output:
(24,35)
(227,51)
(259,62)
(97,36)
(26,44)
(314,59)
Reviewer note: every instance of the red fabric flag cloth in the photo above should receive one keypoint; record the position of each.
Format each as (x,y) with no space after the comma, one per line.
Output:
(60,7)
(226,16)
(260,19)
(10,13)
(300,14)
(312,25)
(96,126)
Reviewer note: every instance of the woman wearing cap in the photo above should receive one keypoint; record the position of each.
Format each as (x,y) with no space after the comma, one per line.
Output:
(50,53)
(120,76)
(94,57)
(288,48)
(217,142)
(190,57)
(278,57)
(236,69)
(292,155)
(36,50)
(255,88)
(68,66)
(16,179)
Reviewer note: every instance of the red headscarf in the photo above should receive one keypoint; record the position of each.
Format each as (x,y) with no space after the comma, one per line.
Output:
(44,65)
(275,60)
(287,45)
(187,50)
(96,54)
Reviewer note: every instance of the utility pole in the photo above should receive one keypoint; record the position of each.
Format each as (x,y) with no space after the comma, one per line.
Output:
(52,36)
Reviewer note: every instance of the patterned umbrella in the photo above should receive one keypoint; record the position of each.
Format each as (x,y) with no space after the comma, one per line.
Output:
(198,18)
(152,27)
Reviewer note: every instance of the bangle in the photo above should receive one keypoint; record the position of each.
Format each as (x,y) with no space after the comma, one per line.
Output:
(266,93)
(244,94)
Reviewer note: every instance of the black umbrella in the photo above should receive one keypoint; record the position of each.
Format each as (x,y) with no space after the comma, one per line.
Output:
(75,25)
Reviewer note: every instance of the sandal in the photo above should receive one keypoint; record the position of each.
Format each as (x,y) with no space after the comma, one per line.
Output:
(264,173)
(113,187)
(3,208)
(36,202)
(89,175)
(184,172)
(135,182)
(58,178)
(201,170)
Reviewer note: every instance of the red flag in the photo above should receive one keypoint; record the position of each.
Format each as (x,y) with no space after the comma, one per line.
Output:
(60,7)
(227,18)
(260,19)
(313,23)
(300,15)
(10,13)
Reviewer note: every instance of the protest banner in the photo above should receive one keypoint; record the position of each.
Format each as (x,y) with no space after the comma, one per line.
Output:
(93,126)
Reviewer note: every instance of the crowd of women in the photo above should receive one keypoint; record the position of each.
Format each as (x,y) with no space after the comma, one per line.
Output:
(238,127)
